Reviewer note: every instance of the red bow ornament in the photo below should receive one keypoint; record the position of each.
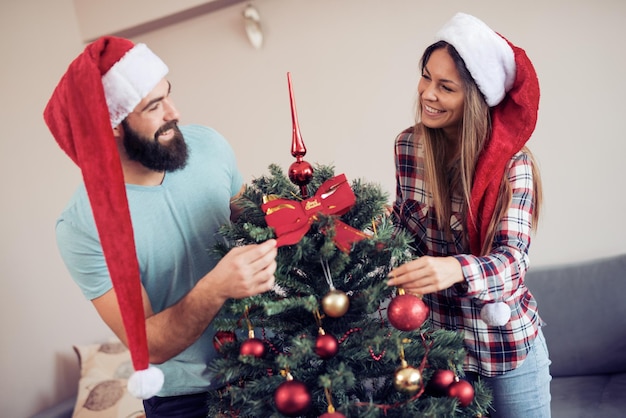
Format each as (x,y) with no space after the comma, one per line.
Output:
(292,219)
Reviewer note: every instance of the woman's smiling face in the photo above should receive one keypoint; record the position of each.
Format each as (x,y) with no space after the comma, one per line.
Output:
(441,93)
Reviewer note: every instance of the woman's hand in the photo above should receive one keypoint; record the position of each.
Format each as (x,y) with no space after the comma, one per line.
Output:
(427,275)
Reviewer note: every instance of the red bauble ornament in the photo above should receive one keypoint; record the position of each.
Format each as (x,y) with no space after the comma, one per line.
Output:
(252,347)
(333,415)
(440,381)
(223,337)
(407,312)
(292,398)
(300,173)
(326,346)
(463,391)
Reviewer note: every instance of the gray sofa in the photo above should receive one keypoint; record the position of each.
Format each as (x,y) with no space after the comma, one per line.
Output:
(584,306)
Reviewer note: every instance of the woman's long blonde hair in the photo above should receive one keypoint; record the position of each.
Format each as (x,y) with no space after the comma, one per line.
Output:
(447,175)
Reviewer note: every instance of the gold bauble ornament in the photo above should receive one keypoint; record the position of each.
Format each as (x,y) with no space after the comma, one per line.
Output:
(407,379)
(335,303)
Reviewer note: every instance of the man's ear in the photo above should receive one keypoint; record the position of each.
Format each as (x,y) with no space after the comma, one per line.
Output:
(118,131)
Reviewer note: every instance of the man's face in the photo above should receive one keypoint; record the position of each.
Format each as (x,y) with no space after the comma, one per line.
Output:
(151,135)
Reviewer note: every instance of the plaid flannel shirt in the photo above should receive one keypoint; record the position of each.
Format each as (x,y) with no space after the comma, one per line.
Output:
(497,277)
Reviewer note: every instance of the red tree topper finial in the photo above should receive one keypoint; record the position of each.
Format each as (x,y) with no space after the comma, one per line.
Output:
(300,172)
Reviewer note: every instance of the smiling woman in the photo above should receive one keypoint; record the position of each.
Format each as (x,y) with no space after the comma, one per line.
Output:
(469,193)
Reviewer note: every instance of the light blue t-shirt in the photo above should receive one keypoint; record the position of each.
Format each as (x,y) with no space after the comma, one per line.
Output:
(175,226)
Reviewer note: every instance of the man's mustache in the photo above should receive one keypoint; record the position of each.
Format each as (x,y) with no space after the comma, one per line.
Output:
(166,127)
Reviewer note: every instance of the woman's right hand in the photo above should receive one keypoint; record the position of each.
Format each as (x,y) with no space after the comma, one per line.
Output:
(427,274)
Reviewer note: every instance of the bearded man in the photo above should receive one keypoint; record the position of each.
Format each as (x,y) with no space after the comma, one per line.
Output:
(137,235)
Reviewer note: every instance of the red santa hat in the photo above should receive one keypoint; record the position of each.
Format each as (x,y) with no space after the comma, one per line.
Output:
(508,81)
(99,89)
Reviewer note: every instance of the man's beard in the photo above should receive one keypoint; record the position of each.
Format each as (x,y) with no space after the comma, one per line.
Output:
(154,155)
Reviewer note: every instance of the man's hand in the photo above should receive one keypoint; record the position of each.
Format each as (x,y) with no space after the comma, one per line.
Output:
(244,271)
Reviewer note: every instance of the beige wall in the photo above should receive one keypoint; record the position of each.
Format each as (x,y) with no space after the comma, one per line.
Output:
(353,64)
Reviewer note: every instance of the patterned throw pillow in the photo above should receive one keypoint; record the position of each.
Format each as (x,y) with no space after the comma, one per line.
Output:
(104,371)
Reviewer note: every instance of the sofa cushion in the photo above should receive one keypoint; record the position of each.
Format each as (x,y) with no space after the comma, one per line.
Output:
(104,372)
(584,307)
(589,396)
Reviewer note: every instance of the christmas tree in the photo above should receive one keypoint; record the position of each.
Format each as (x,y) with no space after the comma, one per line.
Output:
(332,339)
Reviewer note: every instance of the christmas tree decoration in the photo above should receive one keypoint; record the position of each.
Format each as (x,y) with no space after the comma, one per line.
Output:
(336,247)
(407,312)
(223,337)
(300,172)
(461,390)
(331,413)
(292,397)
(440,381)
(252,346)
(326,345)
(291,220)
(495,314)
(335,303)
(407,378)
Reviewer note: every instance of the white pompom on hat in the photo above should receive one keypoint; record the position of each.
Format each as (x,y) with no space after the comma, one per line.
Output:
(99,89)
(487,56)
(495,314)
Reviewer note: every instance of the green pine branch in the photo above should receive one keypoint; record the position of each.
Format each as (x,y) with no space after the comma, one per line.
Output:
(360,376)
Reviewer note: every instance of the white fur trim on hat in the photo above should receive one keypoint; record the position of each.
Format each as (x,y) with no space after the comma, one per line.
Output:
(487,56)
(130,79)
